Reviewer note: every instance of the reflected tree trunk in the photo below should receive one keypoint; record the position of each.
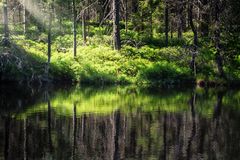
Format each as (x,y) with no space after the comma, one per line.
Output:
(133,137)
(49,126)
(218,106)
(74,130)
(179,141)
(193,132)
(202,135)
(117,132)
(6,138)
(164,156)
(25,143)
(149,117)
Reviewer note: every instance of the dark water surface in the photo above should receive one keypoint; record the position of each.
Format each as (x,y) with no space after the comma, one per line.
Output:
(119,123)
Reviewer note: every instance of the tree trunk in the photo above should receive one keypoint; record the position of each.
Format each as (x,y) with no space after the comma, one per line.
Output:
(151,24)
(180,19)
(50,34)
(195,38)
(166,21)
(5,40)
(205,19)
(49,40)
(24,17)
(217,34)
(84,27)
(116,27)
(126,16)
(74,29)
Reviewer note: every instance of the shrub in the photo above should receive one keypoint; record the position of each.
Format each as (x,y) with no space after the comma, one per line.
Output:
(164,73)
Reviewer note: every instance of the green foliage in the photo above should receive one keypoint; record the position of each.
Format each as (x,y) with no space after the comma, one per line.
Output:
(165,73)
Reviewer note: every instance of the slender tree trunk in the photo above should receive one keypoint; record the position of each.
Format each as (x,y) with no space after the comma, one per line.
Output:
(193,28)
(5,39)
(166,21)
(126,16)
(13,14)
(88,16)
(171,29)
(19,14)
(49,40)
(195,38)
(205,19)
(74,28)
(217,35)
(24,17)
(84,27)
(151,24)
(116,27)
(50,33)
(180,19)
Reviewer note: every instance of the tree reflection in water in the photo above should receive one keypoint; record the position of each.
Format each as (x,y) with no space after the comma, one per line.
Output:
(115,123)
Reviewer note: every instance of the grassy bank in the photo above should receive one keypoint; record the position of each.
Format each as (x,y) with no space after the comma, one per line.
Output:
(142,60)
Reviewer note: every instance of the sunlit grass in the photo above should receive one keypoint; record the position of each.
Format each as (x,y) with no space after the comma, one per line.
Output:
(107,101)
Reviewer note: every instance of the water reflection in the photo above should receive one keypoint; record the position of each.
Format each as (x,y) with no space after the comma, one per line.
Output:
(119,123)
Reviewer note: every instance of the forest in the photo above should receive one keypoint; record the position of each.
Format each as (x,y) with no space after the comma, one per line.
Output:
(145,42)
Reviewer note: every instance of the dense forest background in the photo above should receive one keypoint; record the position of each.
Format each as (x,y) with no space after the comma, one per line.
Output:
(121,41)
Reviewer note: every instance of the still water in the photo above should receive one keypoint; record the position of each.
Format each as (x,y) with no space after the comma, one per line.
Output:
(119,123)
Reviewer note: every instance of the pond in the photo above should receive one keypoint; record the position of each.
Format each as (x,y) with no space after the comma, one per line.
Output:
(118,123)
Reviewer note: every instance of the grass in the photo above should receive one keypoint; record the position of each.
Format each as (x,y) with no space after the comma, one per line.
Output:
(142,60)
(101,64)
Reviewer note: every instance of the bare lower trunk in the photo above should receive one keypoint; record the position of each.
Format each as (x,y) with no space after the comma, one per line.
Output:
(84,27)
(217,35)
(205,19)
(5,39)
(126,16)
(166,21)
(195,38)
(74,29)
(24,17)
(180,20)
(116,27)
(49,40)
(50,35)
